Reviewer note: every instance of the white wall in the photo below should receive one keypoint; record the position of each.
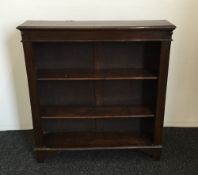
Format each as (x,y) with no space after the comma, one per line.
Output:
(182,95)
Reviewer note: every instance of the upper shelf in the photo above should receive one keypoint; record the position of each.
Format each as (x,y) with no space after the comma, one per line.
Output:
(113,74)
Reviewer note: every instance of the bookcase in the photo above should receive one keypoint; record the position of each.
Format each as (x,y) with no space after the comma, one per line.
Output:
(97,84)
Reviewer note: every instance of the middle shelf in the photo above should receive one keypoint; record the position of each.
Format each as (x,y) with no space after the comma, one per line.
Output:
(109,74)
(62,112)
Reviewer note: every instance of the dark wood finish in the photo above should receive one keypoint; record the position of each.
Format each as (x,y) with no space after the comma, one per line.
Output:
(95,112)
(96,31)
(31,74)
(97,84)
(95,35)
(96,140)
(110,124)
(114,74)
(105,93)
(79,25)
(97,56)
(161,94)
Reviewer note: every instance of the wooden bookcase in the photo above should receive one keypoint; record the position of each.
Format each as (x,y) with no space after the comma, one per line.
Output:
(97,84)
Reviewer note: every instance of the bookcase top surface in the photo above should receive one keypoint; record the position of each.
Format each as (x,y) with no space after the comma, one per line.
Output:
(78,25)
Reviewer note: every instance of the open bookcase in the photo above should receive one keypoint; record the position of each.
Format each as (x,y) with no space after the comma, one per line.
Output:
(97,85)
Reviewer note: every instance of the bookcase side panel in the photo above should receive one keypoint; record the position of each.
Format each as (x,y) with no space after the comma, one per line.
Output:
(32,83)
(161,91)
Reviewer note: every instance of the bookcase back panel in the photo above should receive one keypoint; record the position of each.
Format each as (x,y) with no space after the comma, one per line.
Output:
(126,55)
(97,55)
(110,93)
(64,93)
(127,92)
(64,55)
(136,125)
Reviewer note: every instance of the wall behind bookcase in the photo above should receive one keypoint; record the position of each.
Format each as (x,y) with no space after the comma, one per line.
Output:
(182,95)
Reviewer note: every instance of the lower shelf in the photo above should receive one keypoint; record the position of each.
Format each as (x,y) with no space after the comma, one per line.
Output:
(97,140)
(62,112)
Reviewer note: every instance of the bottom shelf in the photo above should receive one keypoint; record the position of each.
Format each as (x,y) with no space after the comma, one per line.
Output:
(97,140)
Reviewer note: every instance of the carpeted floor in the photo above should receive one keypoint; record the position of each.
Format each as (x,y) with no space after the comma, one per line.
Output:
(179,157)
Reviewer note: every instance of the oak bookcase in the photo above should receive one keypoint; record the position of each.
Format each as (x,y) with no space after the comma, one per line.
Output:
(97,84)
